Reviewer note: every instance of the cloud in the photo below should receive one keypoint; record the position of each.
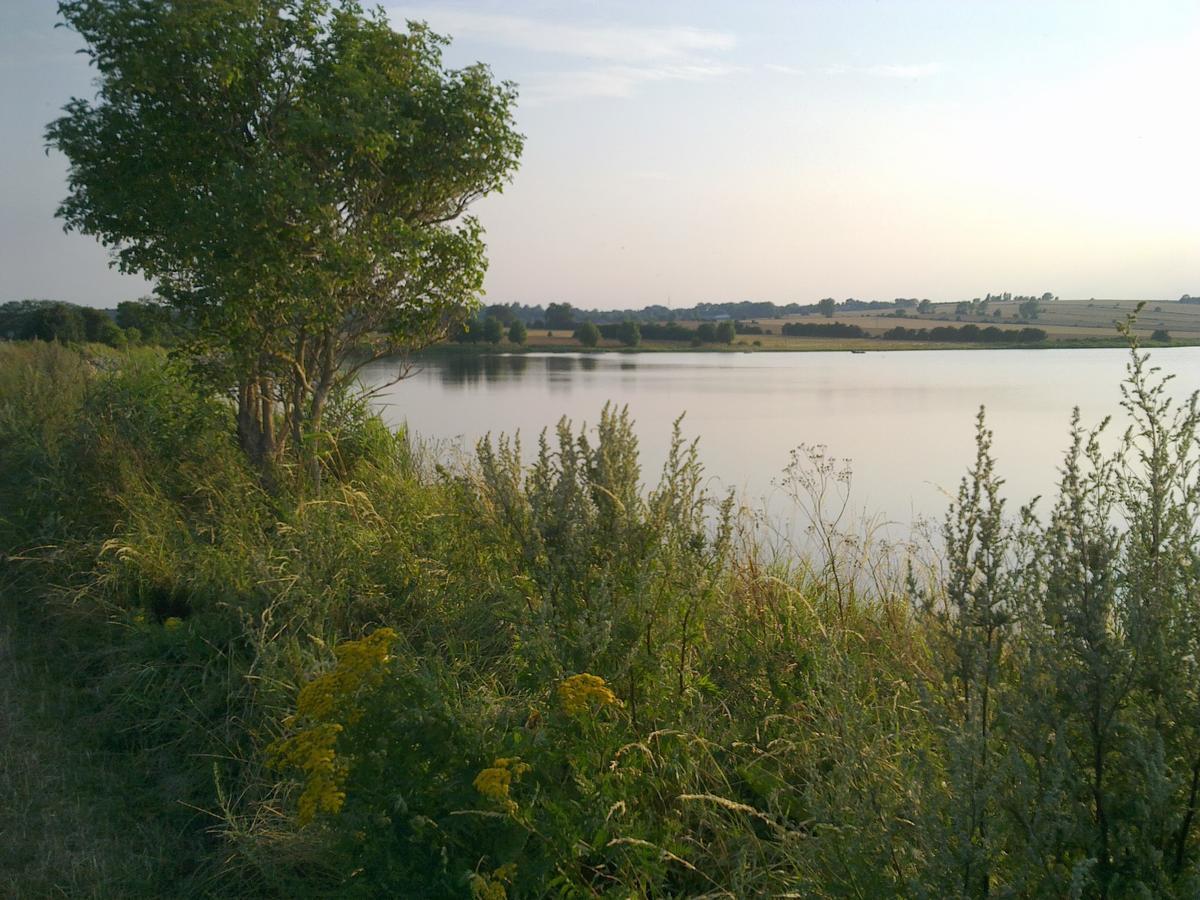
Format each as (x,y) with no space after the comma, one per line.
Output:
(612,81)
(623,57)
(902,72)
(782,69)
(608,43)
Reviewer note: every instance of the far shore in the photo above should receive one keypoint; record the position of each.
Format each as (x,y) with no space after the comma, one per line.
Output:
(788,345)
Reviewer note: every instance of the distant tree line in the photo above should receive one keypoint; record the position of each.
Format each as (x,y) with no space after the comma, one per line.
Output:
(631,333)
(133,321)
(1008,297)
(823,329)
(1188,298)
(564,316)
(491,327)
(969,334)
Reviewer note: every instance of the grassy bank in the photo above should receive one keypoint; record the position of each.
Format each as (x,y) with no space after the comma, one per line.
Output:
(530,680)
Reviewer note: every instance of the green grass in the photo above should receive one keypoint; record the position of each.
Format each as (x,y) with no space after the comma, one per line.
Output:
(79,818)
(192,650)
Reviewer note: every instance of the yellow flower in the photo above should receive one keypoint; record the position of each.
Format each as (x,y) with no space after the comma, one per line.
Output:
(581,692)
(325,705)
(494,782)
(359,664)
(312,752)
(171,623)
(492,887)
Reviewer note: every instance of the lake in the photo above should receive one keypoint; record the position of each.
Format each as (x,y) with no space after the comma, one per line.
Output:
(904,420)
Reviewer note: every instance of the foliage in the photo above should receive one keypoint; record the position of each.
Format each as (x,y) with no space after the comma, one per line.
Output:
(49,320)
(629,333)
(533,676)
(560,316)
(818,329)
(587,334)
(293,176)
(155,323)
(969,334)
(517,333)
(491,331)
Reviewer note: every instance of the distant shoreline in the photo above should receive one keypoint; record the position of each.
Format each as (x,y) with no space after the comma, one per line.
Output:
(812,346)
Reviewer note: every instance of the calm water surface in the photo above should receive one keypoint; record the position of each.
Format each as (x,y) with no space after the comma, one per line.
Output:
(905,420)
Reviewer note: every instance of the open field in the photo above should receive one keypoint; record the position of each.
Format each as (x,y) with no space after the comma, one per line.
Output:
(1077,322)
(1061,320)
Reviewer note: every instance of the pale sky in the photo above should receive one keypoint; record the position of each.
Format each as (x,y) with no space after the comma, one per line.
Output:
(766,150)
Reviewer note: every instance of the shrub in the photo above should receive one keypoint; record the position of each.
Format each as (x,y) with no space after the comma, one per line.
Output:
(587,334)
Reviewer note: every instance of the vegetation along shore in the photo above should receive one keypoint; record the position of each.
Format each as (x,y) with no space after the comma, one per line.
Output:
(503,679)
(256,644)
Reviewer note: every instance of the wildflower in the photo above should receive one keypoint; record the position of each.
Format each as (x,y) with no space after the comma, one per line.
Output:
(312,753)
(324,704)
(494,782)
(580,692)
(172,622)
(492,887)
(359,664)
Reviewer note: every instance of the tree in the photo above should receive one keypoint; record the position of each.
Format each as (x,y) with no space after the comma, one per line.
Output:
(587,334)
(99,326)
(925,307)
(155,322)
(493,331)
(725,333)
(1161,334)
(629,334)
(706,332)
(560,315)
(294,175)
(517,332)
(825,307)
(1030,309)
(505,314)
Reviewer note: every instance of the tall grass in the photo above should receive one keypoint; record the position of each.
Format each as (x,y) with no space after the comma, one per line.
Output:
(500,679)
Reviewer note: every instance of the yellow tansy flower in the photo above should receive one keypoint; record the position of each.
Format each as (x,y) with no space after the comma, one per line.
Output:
(579,693)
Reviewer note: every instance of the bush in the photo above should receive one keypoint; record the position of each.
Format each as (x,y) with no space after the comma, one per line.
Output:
(587,334)
(828,330)
(517,332)
(523,679)
(629,333)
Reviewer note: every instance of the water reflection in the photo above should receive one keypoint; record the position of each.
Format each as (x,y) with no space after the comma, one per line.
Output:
(473,370)
(906,420)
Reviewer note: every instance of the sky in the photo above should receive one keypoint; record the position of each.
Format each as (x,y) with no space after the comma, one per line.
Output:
(686,151)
